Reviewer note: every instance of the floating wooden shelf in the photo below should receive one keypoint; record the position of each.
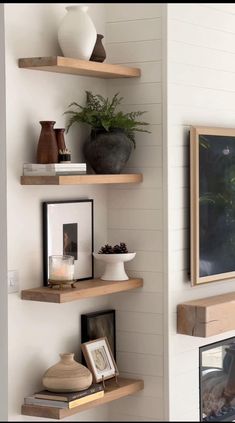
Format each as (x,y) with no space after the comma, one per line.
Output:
(132,178)
(208,316)
(84,289)
(114,392)
(78,67)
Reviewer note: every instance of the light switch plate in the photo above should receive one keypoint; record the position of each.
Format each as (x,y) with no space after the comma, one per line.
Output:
(13,281)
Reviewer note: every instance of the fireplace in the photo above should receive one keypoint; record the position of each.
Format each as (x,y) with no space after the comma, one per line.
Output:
(217,381)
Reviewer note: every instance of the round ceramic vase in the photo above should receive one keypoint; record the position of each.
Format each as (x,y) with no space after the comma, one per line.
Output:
(67,375)
(107,152)
(114,265)
(77,34)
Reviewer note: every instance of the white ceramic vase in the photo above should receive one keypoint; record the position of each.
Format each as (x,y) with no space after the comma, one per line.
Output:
(77,34)
(114,265)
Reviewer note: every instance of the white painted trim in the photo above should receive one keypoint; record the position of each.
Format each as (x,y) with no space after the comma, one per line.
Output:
(165,206)
(3,233)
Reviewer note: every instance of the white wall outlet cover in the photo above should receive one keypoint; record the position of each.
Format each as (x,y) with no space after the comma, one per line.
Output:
(13,281)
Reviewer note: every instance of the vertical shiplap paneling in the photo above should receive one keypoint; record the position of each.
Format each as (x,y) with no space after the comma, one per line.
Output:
(201,91)
(135,212)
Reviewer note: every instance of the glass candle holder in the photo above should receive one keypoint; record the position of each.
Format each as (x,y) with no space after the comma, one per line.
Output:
(61,268)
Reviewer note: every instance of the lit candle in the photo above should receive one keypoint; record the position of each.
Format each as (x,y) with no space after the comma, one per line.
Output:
(61,268)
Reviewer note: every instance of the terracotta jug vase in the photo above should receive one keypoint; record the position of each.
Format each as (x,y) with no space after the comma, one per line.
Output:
(98,54)
(67,375)
(47,150)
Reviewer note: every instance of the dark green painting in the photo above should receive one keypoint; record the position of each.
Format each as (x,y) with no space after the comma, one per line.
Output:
(216,204)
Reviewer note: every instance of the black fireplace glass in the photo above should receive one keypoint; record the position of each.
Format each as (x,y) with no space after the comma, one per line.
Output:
(217,381)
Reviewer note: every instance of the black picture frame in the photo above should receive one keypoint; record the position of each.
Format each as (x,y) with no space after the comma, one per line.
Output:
(75,217)
(99,324)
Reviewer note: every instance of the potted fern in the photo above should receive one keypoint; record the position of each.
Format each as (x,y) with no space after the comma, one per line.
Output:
(112,136)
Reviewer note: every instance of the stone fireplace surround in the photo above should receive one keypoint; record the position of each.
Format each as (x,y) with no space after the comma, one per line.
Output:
(215,327)
(184,372)
(217,381)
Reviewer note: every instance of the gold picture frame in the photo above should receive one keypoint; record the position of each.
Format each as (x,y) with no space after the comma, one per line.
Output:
(99,359)
(212,200)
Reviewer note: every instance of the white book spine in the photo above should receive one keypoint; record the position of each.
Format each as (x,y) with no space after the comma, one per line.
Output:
(53,172)
(54,166)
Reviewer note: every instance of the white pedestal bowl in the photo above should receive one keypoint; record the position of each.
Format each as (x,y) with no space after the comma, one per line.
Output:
(114,265)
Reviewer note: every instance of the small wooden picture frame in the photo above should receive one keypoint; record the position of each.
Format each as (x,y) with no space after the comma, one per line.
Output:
(99,359)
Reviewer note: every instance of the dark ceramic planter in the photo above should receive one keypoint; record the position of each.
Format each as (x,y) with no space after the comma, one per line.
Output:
(107,152)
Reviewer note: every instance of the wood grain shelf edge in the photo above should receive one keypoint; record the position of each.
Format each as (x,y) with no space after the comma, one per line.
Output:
(84,289)
(127,387)
(73,66)
(121,178)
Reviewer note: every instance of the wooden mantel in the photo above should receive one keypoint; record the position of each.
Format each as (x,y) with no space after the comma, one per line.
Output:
(208,316)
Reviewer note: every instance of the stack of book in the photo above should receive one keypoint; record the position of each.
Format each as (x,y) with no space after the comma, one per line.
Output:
(53,169)
(66,399)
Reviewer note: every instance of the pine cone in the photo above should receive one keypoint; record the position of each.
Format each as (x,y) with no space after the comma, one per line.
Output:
(107,249)
(123,247)
(117,249)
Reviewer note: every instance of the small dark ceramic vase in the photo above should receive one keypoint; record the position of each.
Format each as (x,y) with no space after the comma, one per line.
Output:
(62,156)
(107,152)
(59,133)
(47,150)
(98,54)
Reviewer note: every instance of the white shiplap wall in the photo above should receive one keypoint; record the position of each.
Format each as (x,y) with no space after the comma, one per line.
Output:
(38,331)
(201,91)
(135,212)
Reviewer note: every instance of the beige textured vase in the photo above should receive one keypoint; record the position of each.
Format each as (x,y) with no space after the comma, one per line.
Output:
(67,375)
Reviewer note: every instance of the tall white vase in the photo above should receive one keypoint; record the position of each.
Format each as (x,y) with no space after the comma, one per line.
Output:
(77,34)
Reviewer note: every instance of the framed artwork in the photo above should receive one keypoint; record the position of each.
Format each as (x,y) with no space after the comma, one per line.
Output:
(98,325)
(212,204)
(68,230)
(99,359)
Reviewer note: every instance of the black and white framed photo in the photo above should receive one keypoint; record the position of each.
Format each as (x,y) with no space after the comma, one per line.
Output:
(99,359)
(99,324)
(68,230)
